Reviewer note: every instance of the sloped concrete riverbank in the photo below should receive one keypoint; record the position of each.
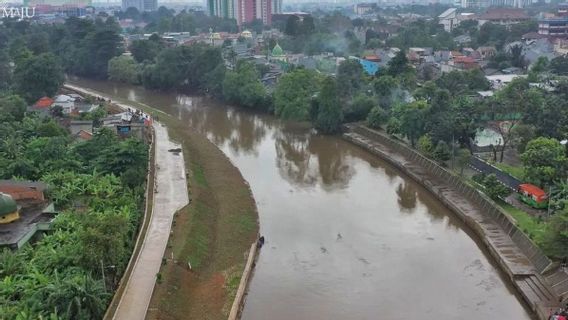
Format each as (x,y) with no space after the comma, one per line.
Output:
(529,270)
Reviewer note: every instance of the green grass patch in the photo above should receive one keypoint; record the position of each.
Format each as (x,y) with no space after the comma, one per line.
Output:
(199,241)
(530,225)
(199,175)
(517,172)
(245,222)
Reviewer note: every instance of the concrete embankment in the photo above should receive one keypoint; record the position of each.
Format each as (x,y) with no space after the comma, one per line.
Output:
(529,270)
(239,301)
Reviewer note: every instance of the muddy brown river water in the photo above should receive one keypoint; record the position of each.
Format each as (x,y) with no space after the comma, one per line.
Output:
(348,236)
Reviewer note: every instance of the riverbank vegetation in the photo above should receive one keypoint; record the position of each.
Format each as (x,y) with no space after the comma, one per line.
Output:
(98,188)
(96,185)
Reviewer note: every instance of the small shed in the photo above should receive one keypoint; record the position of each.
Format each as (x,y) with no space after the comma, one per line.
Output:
(533,195)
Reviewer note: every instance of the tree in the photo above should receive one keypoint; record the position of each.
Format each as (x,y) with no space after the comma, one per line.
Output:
(495,189)
(146,50)
(544,160)
(463,158)
(5,70)
(243,87)
(411,119)
(398,65)
(377,117)
(442,152)
(517,57)
(329,115)
(360,107)
(522,134)
(38,76)
(559,65)
(555,242)
(384,87)
(349,78)
(123,69)
(510,104)
(12,108)
(293,94)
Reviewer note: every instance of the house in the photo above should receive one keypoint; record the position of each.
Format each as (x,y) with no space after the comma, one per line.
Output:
(533,196)
(76,126)
(501,80)
(503,16)
(43,103)
(23,212)
(486,52)
(84,135)
(449,19)
(66,103)
(463,39)
(370,67)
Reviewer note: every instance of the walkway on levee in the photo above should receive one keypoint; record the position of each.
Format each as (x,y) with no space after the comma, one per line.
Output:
(170,195)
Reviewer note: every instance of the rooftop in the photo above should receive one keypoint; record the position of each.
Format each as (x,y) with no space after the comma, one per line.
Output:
(43,103)
(504,14)
(447,13)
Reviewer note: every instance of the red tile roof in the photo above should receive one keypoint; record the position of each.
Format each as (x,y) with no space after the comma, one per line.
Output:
(84,135)
(43,103)
(533,190)
(464,59)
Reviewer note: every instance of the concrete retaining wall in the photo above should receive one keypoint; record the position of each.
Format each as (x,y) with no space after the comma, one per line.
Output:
(537,257)
(514,252)
(239,301)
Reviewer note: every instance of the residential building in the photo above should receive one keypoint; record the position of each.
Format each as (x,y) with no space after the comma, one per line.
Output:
(140,5)
(23,212)
(449,19)
(556,25)
(510,3)
(364,8)
(244,11)
(276,6)
(472,3)
(503,16)
(222,8)
(66,103)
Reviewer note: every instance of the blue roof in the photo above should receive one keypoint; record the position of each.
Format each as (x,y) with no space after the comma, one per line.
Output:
(370,67)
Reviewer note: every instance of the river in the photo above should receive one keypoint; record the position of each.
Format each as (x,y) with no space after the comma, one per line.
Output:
(347,236)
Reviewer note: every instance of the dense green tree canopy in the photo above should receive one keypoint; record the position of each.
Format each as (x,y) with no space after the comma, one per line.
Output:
(293,95)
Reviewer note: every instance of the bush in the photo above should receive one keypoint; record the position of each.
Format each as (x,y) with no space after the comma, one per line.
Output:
(425,145)
(494,188)
(393,126)
(442,152)
(377,117)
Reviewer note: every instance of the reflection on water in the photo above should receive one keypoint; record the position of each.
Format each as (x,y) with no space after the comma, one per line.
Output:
(347,236)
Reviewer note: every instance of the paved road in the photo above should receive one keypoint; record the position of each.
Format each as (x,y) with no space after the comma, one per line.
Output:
(504,177)
(170,195)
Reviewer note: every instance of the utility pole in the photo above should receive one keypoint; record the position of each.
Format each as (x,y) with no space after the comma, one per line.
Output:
(103,273)
(550,192)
